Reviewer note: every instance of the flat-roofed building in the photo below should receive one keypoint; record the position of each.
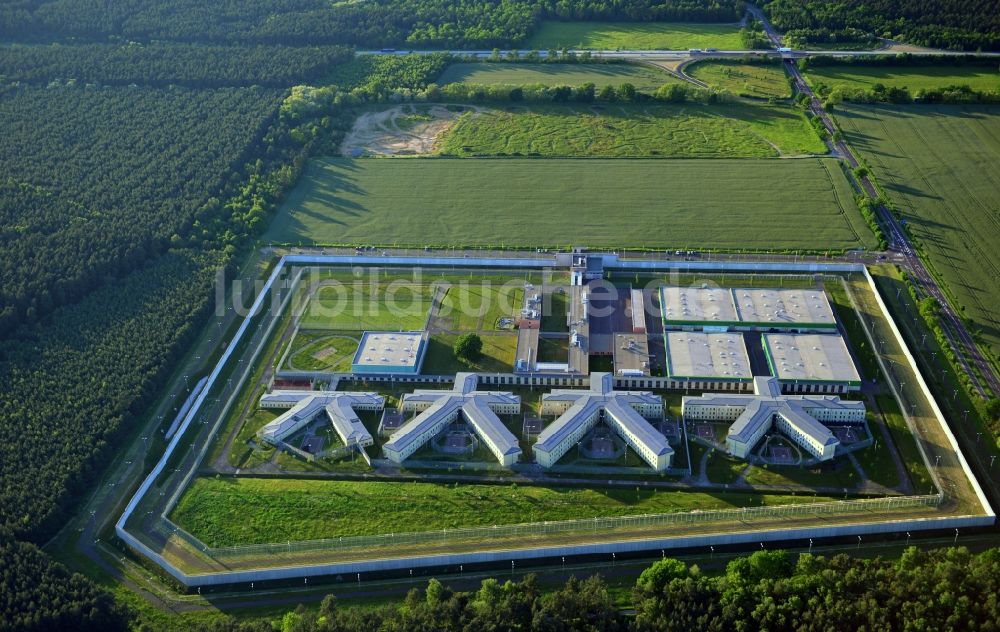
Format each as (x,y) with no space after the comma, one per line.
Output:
(437,409)
(697,307)
(746,309)
(811,363)
(780,308)
(631,355)
(304,406)
(800,417)
(707,361)
(638,303)
(624,411)
(390,353)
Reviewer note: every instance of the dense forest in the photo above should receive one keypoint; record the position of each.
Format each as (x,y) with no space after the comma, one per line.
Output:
(374,23)
(37,595)
(959,24)
(98,180)
(161,65)
(940,590)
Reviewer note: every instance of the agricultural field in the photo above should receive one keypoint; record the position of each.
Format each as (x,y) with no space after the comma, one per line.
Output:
(565,202)
(984,78)
(644,78)
(762,81)
(940,166)
(634,36)
(396,306)
(668,131)
(226,512)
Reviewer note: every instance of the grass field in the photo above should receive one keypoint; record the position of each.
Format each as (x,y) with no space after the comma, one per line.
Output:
(634,36)
(471,307)
(670,131)
(497,356)
(977,77)
(940,165)
(320,351)
(752,80)
(224,512)
(563,202)
(644,78)
(389,306)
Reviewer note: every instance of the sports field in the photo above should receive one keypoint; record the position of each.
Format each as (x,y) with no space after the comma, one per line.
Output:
(752,80)
(389,306)
(940,165)
(323,351)
(668,131)
(226,512)
(644,78)
(733,204)
(634,36)
(976,76)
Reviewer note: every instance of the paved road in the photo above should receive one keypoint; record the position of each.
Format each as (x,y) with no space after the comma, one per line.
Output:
(966,350)
(663,55)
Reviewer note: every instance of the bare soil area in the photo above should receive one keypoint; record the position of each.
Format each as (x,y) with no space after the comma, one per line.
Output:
(404,130)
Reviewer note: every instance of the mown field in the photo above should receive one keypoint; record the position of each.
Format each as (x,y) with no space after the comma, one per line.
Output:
(388,306)
(940,165)
(752,80)
(226,512)
(977,77)
(634,35)
(733,204)
(644,78)
(671,131)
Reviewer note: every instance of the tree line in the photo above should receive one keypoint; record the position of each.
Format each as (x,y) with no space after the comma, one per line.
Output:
(952,24)
(165,64)
(419,23)
(767,590)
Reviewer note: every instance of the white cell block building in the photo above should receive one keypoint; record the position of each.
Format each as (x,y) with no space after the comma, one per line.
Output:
(304,406)
(800,417)
(579,411)
(437,409)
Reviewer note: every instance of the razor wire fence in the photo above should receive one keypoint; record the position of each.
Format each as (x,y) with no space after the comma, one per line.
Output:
(606,526)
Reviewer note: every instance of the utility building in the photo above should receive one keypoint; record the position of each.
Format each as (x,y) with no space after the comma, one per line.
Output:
(579,411)
(304,406)
(800,417)
(438,409)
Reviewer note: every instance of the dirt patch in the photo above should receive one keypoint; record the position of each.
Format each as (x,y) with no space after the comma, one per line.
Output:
(405,130)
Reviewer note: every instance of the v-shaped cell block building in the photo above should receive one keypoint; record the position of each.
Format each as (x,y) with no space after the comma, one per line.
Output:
(438,409)
(801,418)
(579,411)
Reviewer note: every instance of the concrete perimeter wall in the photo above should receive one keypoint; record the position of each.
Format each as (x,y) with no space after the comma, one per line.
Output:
(611,261)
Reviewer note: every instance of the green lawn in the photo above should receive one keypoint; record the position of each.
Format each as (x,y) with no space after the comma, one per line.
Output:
(225,512)
(321,351)
(389,306)
(940,165)
(634,35)
(644,78)
(497,356)
(669,131)
(752,80)
(475,307)
(976,76)
(734,204)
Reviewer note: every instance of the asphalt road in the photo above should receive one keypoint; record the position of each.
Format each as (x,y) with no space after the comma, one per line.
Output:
(966,350)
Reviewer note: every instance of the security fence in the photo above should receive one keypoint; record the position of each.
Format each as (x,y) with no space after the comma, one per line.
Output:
(605,526)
